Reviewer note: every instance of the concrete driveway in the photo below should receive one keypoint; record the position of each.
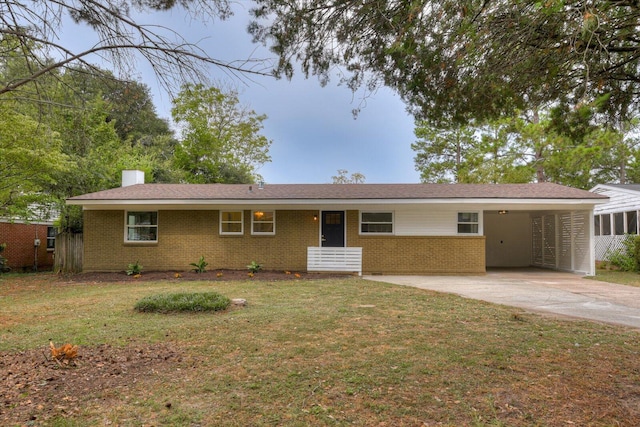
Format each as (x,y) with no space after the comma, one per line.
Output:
(544,291)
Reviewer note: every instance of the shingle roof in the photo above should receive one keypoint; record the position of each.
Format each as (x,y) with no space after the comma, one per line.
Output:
(312,192)
(633,187)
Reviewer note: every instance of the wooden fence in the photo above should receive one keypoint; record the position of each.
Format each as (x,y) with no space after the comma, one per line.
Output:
(68,253)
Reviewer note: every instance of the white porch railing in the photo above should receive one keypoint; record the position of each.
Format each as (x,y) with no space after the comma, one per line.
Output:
(335,259)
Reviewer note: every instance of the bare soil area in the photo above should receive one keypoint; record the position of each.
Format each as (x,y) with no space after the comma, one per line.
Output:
(210,275)
(57,389)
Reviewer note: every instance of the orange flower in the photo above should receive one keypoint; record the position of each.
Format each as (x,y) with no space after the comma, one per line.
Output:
(177,275)
(219,274)
(297,275)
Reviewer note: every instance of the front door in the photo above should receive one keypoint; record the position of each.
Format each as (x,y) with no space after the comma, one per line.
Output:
(333,229)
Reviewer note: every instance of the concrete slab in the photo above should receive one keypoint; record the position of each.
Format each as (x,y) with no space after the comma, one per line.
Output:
(543,291)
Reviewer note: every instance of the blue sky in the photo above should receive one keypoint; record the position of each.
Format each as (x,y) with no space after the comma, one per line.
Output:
(313,131)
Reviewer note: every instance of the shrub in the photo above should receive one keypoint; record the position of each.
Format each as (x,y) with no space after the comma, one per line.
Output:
(254,267)
(626,258)
(636,252)
(200,266)
(134,269)
(183,302)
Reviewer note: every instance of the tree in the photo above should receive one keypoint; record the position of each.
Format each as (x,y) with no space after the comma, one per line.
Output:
(220,138)
(33,28)
(457,60)
(30,159)
(342,178)
(441,154)
(561,145)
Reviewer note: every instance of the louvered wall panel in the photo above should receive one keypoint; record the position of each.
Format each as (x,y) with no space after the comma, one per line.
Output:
(549,241)
(536,240)
(566,246)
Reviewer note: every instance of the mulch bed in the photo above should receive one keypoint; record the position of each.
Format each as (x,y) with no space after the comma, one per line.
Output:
(209,275)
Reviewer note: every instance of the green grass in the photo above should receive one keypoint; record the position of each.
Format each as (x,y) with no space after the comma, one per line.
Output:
(629,278)
(331,352)
(183,302)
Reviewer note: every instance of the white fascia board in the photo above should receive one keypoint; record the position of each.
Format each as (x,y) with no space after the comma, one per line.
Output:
(516,204)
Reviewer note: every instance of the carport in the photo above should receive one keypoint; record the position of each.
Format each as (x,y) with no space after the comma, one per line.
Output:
(558,239)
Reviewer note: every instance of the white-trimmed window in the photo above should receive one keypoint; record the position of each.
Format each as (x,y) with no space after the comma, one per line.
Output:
(51,238)
(231,222)
(468,223)
(376,222)
(141,227)
(632,222)
(263,222)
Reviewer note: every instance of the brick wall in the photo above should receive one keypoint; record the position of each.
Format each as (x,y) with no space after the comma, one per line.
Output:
(417,254)
(183,236)
(20,252)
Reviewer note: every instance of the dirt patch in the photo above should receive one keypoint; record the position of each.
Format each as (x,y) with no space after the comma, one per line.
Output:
(36,388)
(210,275)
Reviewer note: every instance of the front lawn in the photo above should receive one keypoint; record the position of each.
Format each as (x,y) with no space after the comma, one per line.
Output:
(335,352)
(630,278)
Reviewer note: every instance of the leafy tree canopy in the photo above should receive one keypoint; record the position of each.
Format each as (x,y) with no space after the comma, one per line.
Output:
(561,145)
(344,178)
(453,61)
(220,138)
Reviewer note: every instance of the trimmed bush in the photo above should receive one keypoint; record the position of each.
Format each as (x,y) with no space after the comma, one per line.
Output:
(183,302)
(626,258)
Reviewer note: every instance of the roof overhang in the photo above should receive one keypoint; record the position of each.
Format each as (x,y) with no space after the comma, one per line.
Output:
(309,204)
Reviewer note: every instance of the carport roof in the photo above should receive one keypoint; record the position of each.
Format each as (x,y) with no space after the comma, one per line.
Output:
(319,192)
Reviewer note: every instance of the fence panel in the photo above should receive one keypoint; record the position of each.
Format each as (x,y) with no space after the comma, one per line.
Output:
(334,259)
(68,253)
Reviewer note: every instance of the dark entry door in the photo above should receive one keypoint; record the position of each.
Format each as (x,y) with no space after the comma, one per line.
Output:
(333,229)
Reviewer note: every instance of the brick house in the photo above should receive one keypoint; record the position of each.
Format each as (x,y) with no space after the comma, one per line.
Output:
(30,246)
(365,228)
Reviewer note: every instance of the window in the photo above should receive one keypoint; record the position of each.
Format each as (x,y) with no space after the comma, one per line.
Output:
(231,222)
(468,222)
(376,222)
(606,225)
(142,227)
(618,223)
(263,222)
(632,222)
(596,225)
(51,238)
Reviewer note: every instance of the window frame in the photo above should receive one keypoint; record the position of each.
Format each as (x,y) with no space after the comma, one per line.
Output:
(605,225)
(51,240)
(619,223)
(627,216)
(221,222)
(149,226)
(253,222)
(471,223)
(377,233)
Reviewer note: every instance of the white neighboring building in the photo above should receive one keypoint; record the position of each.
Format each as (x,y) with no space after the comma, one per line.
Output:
(617,218)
